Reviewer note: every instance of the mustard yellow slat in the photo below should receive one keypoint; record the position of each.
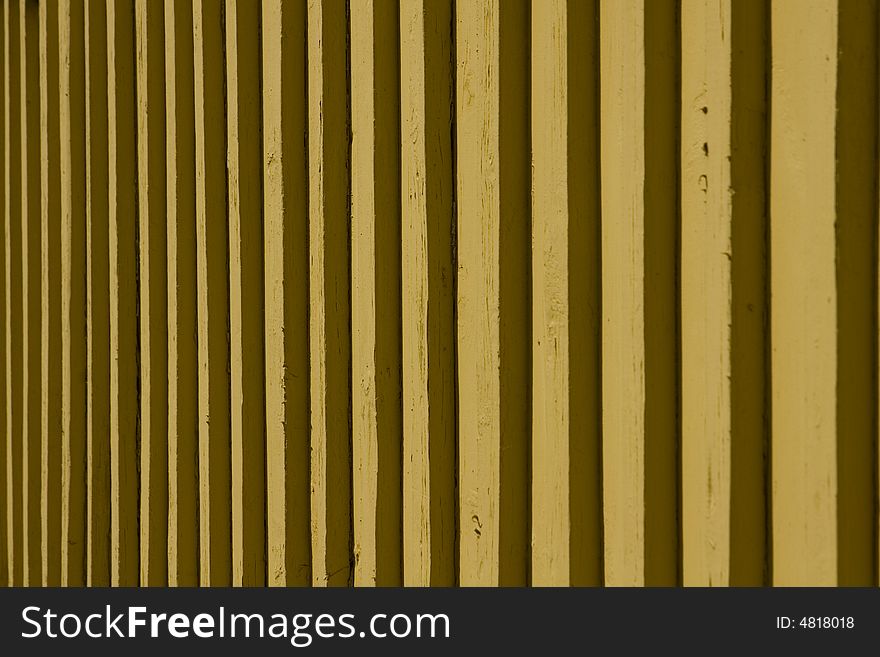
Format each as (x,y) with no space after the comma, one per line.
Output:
(375,280)
(428,294)
(50,309)
(215,533)
(183,536)
(98,501)
(244,139)
(566,423)
(73,292)
(286,242)
(494,336)
(722,293)
(152,278)
(638,123)
(329,338)
(4,407)
(123,181)
(12,270)
(31,297)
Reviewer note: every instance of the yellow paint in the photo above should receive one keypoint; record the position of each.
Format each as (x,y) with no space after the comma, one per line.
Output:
(375,293)
(152,280)
(30,291)
(50,308)
(215,510)
(435,292)
(639,386)
(722,294)
(428,293)
(329,321)
(246,292)
(285,216)
(12,242)
(73,293)
(122,127)
(493,317)
(566,492)
(183,558)
(98,299)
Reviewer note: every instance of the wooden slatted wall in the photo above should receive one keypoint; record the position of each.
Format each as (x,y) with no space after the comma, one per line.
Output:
(439,292)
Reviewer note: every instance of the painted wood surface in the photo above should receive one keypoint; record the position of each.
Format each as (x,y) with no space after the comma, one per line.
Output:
(439,293)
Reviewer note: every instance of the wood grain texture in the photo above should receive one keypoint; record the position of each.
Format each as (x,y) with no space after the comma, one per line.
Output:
(12,245)
(493,290)
(98,502)
(244,165)
(430,506)
(31,257)
(722,294)
(125,440)
(286,244)
(183,391)
(375,294)
(566,428)
(639,113)
(73,293)
(153,290)
(50,306)
(329,293)
(215,504)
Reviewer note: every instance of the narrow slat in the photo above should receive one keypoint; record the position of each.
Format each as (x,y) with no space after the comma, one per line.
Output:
(30,290)
(50,310)
(215,544)
(329,343)
(97,299)
(73,293)
(244,139)
(494,322)
(823,321)
(856,229)
(5,579)
(183,391)
(566,462)
(722,294)
(375,293)
(639,111)
(152,277)
(124,438)
(286,243)
(428,293)
(12,294)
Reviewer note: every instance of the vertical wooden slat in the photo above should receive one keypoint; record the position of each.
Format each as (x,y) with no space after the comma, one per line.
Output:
(152,277)
(12,269)
(639,385)
(823,322)
(30,290)
(856,227)
(329,325)
(73,293)
(244,139)
(493,290)
(50,311)
(375,281)
(97,299)
(215,544)
(566,488)
(428,294)
(285,242)
(722,293)
(5,579)
(124,434)
(183,542)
